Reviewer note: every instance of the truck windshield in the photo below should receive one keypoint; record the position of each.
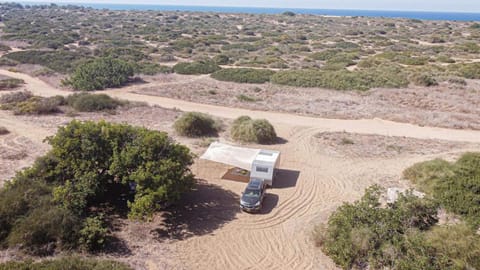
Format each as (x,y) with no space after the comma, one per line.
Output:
(251,192)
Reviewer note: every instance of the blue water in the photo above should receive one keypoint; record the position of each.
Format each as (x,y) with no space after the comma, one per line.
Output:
(422,15)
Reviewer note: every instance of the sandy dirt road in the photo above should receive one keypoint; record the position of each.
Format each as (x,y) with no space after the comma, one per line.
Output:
(363,126)
(310,186)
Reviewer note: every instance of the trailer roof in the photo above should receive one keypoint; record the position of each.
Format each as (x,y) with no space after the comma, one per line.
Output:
(268,156)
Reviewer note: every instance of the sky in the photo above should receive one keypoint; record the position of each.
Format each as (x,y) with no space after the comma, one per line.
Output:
(419,5)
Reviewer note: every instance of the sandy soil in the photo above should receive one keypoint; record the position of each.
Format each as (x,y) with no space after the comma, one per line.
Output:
(322,167)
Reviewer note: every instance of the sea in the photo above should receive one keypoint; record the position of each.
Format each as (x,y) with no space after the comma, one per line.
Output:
(421,15)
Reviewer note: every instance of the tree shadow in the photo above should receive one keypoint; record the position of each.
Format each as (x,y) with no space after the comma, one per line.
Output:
(117,247)
(201,211)
(269,203)
(135,81)
(285,178)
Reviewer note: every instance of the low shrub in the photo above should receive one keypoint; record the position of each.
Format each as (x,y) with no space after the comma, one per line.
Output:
(15,97)
(423,79)
(457,81)
(85,102)
(468,71)
(445,59)
(426,175)
(25,103)
(59,61)
(455,185)
(4,130)
(243,75)
(94,234)
(325,55)
(153,68)
(221,59)
(365,235)
(71,263)
(34,105)
(382,76)
(245,98)
(245,129)
(196,67)
(101,73)
(194,124)
(10,83)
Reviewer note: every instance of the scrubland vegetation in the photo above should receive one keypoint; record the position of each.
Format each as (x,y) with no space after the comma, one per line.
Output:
(95,171)
(355,53)
(7,84)
(25,102)
(71,263)
(406,234)
(243,75)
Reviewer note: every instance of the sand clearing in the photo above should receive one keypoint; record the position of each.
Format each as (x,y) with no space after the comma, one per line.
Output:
(207,231)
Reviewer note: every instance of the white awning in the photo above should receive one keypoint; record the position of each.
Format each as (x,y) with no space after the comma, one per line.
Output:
(231,155)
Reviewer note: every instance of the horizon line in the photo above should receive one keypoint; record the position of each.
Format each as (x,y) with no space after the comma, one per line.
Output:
(234,6)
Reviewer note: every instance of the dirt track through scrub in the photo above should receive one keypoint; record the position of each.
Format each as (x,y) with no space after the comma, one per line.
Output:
(310,186)
(363,126)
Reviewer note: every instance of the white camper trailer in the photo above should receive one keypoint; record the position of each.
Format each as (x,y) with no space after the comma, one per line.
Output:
(262,164)
(265,166)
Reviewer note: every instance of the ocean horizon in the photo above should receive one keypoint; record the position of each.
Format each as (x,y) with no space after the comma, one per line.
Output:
(421,15)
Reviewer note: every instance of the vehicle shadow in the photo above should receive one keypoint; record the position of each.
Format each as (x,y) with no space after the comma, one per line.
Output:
(201,211)
(269,203)
(286,178)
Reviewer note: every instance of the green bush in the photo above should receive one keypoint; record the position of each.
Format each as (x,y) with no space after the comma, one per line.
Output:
(153,68)
(456,186)
(423,79)
(59,61)
(196,67)
(459,242)
(221,59)
(245,98)
(388,77)
(243,75)
(101,73)
(468,71)
(15,97)
(31,104)
(426,175)
(245,129)
(445,59)
(70,263)
(84,102)
(94,233)
(365,234)
(194,124)
(10,83)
